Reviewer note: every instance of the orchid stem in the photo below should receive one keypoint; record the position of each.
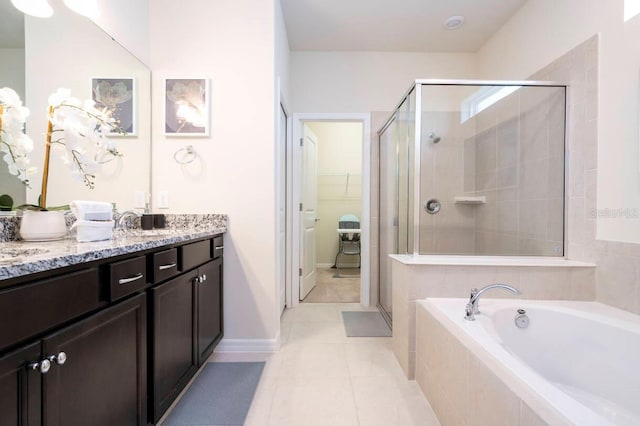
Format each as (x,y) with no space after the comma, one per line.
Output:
(47,154)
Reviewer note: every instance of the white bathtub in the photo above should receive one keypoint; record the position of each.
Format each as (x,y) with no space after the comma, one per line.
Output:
(581,358)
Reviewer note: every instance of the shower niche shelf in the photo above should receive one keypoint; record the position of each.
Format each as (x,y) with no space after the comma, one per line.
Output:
(470,200)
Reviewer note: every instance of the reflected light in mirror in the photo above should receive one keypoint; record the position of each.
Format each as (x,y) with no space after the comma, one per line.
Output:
(88,8)
(37,8)
(631,9)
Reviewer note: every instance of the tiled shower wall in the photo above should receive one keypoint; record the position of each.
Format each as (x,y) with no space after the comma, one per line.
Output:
(442,173)
(618,271)
(618,264)
(519,153)
(512,154)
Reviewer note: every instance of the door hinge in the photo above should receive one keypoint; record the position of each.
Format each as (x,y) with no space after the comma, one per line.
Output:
(300,272)
(301,141)
(300,206)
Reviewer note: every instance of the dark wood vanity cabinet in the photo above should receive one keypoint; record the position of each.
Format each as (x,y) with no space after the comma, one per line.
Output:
(209,308)
(187,322)
(102,381)
(90,373)
(173,358)
(20,388)
(100,346)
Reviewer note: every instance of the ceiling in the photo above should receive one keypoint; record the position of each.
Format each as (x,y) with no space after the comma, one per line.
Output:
(11,26)
(393,25)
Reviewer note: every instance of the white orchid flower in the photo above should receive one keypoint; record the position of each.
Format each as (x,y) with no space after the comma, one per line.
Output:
(14,143)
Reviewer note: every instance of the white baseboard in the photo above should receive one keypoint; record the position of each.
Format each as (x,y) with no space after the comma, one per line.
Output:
(249,345)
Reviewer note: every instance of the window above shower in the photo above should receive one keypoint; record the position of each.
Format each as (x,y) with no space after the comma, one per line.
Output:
(490,179)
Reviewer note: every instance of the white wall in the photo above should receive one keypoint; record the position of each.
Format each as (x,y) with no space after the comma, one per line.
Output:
(542,31)
(12,70)
(339,183)
(128,22)
(12,75)
(366,81)
(282,53)
(231,42)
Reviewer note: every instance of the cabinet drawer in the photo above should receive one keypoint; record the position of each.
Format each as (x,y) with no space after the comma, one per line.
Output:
(218,247)
(127,277)
(195,254)
(165,265)
(31,309)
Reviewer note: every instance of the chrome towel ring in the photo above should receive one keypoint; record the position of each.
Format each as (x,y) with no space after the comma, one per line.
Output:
(185,155)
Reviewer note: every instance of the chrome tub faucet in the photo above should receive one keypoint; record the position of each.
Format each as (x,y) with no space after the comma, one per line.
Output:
(472,307)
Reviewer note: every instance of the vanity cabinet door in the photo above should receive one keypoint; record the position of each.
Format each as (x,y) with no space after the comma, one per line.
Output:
(209,308)
(102,379)
(173,360)
(20,388)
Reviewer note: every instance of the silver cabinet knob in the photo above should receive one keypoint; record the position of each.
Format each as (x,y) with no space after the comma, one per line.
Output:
(42,366)
(59,359)
(204,277)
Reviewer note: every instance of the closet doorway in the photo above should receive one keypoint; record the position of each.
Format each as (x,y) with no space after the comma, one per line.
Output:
(338,200)
(333,190)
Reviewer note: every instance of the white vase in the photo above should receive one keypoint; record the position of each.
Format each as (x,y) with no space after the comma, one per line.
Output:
(43,226)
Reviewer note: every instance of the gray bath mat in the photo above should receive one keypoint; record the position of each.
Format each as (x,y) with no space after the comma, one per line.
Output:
(221,395)
(365,324)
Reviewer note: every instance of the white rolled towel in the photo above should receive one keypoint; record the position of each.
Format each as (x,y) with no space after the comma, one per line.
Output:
(91,230)
(91,210)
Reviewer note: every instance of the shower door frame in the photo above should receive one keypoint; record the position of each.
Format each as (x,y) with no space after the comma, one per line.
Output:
(417,203)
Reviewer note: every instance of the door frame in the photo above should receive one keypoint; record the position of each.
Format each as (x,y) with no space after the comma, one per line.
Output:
(287,186)
(295,166)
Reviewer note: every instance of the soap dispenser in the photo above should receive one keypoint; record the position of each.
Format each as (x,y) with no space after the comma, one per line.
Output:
(146,221)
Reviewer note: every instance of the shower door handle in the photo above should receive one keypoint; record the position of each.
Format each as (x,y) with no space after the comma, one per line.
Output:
(432,206)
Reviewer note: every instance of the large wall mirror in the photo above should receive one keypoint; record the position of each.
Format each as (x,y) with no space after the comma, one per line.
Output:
(38,56)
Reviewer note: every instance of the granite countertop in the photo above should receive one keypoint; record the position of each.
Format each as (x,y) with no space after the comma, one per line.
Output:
(19,258)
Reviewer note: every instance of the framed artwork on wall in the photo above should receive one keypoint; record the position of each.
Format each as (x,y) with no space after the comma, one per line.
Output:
(118,96)
(186,107)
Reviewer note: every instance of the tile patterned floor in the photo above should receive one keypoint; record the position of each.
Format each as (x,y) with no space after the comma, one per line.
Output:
(321,377)
(344,288)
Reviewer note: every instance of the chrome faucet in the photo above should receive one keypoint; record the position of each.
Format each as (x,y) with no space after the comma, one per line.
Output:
(119,223)
(472,307)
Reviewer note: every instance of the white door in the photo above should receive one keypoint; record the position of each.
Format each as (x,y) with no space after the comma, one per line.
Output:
(282,152)
(308,197)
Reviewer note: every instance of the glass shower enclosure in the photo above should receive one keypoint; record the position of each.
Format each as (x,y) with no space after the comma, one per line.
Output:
(472,168)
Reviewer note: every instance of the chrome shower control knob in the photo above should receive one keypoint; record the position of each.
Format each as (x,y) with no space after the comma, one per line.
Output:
(432,206)
(522,320)
(42,366)
(59,359)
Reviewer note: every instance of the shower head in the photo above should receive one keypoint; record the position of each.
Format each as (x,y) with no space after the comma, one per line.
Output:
(433,137)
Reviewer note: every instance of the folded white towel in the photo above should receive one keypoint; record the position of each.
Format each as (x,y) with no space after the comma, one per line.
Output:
(90,230)
(91,210)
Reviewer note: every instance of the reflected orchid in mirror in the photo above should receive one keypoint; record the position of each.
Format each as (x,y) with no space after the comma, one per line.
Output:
(77,130)
(15,145)
(189,99)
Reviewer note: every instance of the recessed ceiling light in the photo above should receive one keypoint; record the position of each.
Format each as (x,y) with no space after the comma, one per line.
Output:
(454,22)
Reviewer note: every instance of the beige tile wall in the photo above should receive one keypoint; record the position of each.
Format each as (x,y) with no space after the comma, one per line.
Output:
(442,177)
(414,282)
(519,151)
(618,272)
(461,389)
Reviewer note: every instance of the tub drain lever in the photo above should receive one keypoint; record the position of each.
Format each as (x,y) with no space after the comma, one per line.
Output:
(522,320)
